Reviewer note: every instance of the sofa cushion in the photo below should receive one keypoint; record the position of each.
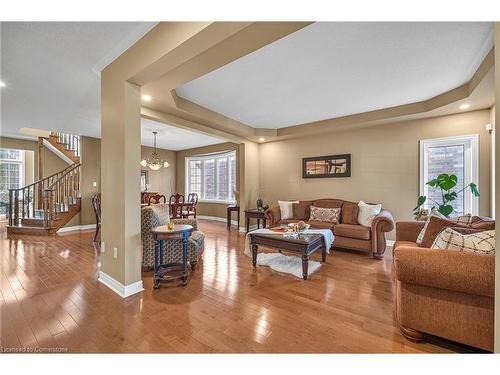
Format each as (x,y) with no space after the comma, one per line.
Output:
(332,215)
(328,203)
(301,210)
(320,224)
(434,227)
(482,223)
(350,213)
(352,231)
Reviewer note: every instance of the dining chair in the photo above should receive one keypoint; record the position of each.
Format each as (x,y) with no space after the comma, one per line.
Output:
(190,208)
(175,203)
(155,199)
(96,205)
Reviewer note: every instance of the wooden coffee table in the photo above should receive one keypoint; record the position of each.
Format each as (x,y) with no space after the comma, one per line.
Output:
(303,244)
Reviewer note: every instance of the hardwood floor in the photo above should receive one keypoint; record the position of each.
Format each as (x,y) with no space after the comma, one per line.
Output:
(50,298)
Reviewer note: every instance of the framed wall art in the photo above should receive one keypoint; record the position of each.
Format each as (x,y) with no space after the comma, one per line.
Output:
(327,166)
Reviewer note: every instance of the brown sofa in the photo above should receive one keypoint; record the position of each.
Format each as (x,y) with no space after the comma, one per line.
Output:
(444,293)
(348,233)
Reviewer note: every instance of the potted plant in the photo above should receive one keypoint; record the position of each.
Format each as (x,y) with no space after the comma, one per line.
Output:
(445,182)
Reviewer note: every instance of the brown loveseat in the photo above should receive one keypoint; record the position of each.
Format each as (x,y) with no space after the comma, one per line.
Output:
(444,293)
(348,233)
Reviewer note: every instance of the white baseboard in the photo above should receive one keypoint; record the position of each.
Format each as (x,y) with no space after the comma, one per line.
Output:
(123,291)
(216,218)
(76,228)
(233,222)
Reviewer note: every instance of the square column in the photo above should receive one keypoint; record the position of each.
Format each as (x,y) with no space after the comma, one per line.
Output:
(120,185)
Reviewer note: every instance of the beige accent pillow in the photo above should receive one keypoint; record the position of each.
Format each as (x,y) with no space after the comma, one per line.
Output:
(330,215)
(479,243)
(462,220)
(367,213)
(286,209)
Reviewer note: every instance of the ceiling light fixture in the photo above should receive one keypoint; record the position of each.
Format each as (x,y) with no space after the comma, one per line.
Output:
(154,162)
(262,139)
(147,98)
(464,106)
(2,84)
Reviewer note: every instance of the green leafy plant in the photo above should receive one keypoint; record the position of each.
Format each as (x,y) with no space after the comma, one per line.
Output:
(446,183)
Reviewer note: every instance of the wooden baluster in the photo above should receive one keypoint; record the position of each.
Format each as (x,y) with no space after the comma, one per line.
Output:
(22,203)
(31,207)
(64,198)
(36,200)
(16,208)
(46,208)
(52,206)
(10,207)
(28,203)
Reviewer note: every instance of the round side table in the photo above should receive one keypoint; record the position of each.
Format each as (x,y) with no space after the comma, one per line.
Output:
(161,234)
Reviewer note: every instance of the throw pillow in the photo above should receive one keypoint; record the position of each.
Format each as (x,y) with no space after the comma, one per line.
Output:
(367,212)
(479,243)
(482,223)
(301,210)
(464,220)
(330,215)
(286,209)
(350,213)
(435,226)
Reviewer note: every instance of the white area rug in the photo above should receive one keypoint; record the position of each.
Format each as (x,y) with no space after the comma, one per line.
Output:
(286,263)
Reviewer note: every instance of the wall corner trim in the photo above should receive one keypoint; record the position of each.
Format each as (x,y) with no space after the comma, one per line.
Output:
(123,291)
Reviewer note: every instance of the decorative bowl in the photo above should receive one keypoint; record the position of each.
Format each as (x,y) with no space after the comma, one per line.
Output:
(299,227)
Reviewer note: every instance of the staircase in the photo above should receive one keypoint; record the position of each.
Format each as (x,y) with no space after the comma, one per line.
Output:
(67,144)
(46,205)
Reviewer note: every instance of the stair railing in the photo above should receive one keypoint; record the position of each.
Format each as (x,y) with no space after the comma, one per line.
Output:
(71,141)
(60,194)
(26,202)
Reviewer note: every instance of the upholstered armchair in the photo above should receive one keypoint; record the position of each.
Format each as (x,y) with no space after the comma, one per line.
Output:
(156,215)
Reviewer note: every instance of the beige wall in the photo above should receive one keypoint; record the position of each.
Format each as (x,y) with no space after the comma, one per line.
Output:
(204,208)
(385,163)
(51,163)
(162,180)
(90,173)
(249,176)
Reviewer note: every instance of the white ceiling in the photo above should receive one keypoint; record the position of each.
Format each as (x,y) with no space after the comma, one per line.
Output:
(52,72)
(172,138)
(333,69)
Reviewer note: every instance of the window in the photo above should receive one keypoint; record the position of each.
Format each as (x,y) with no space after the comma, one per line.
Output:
(453,155)
(11,174)
(212,177)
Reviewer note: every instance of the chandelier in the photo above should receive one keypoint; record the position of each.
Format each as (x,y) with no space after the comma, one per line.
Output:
(154,162)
